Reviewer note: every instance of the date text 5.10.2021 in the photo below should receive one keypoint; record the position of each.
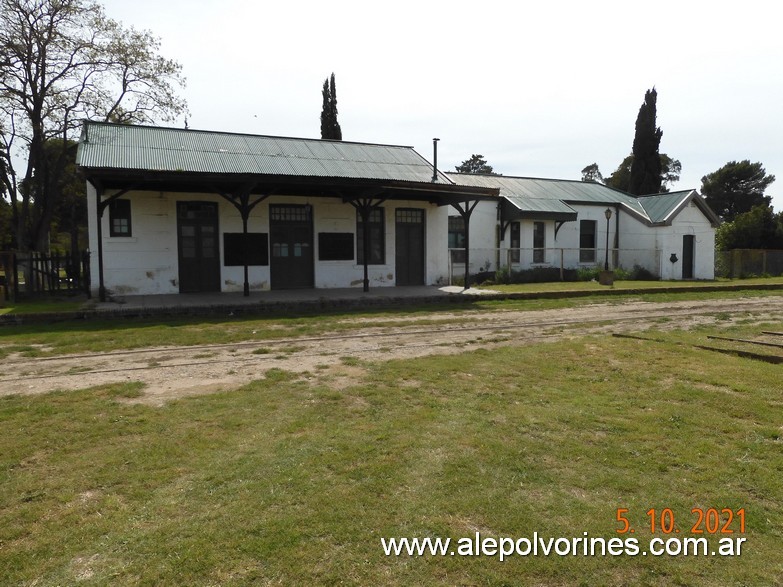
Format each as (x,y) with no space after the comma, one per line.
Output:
(709,521)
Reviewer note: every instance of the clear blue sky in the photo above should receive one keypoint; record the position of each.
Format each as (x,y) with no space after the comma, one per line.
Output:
(540,89)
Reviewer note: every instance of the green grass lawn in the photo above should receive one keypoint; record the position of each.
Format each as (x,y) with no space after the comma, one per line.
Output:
(107,335)
(566,286)
(290,481)
(42,306)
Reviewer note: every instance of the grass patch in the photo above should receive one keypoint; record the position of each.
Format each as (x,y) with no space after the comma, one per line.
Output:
(630,284)
(279,375)
(287,482)
(42,306)
(24,349)
(129,390)
(101,336)
(290,350)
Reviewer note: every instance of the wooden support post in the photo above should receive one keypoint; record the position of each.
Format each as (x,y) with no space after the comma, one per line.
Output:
(240,199)
(364,206)
(100,208)
(246,270)
(101,205)
(465,213)
(562,274)
(364,211)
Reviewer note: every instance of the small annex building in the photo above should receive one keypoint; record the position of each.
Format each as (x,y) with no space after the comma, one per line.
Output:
(571,224)
(178,211)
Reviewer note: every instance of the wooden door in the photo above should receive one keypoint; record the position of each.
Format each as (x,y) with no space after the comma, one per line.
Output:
(291,240)
(688,255)
(197,244)
(409,246)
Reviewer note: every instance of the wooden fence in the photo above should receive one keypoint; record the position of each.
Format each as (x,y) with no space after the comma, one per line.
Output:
(27,275)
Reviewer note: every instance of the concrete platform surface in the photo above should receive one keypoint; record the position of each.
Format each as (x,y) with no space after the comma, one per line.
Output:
(347,295)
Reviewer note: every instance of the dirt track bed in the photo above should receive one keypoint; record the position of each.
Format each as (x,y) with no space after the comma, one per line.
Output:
(172,372)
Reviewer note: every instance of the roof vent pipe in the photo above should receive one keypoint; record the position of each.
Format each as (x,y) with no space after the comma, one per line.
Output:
(435,160)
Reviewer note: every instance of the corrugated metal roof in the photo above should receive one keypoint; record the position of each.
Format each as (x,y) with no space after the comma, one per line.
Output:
(550,195)
(660,206)
(545,205)
(115,146)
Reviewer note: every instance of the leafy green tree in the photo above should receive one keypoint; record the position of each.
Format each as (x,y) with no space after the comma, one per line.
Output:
(475,165)
(330,128)
(670,172)
(592,173)
(69,222)
(64,61)
(5,215)
(646,163)
(5,225)
(621,177)
(735,188)
(759,228)
(67,188)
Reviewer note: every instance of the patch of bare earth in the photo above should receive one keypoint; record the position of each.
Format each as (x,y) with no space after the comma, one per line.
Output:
(172,372)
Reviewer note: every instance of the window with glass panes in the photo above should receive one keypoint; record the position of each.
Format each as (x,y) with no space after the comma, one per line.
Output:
(377,238)
(457,238)
(516,241)
(587,230)
(120,218)
(539,242)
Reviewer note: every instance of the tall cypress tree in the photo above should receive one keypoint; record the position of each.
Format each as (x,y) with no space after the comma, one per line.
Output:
(646,165)
(337,133)
(330,128)
(325,111)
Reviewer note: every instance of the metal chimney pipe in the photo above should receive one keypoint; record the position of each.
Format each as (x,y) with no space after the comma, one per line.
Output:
(435,160)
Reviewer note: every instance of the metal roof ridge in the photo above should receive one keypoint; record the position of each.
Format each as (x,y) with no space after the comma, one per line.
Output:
(242,134)
(182,149)
(659,194)
(603,185)
(501,175)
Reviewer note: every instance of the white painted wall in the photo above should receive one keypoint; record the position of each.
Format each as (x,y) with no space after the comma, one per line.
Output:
(639,244)
(332,215)
(147,262)
(144,263)
(483,245)
(437,252)
(669,239)
(568,236)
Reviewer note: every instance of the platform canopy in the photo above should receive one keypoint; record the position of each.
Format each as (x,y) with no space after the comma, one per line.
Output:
(129,157)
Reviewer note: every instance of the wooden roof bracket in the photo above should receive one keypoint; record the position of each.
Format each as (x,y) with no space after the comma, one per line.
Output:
(240,199)
(558,225)
(504,222)
(466,213)
(103,204)
(364,206)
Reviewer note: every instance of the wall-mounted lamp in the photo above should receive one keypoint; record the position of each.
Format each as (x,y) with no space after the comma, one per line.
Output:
(673,258)
(608,214)
(435,160)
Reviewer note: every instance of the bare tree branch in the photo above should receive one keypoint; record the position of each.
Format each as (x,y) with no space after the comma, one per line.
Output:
(62,61)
